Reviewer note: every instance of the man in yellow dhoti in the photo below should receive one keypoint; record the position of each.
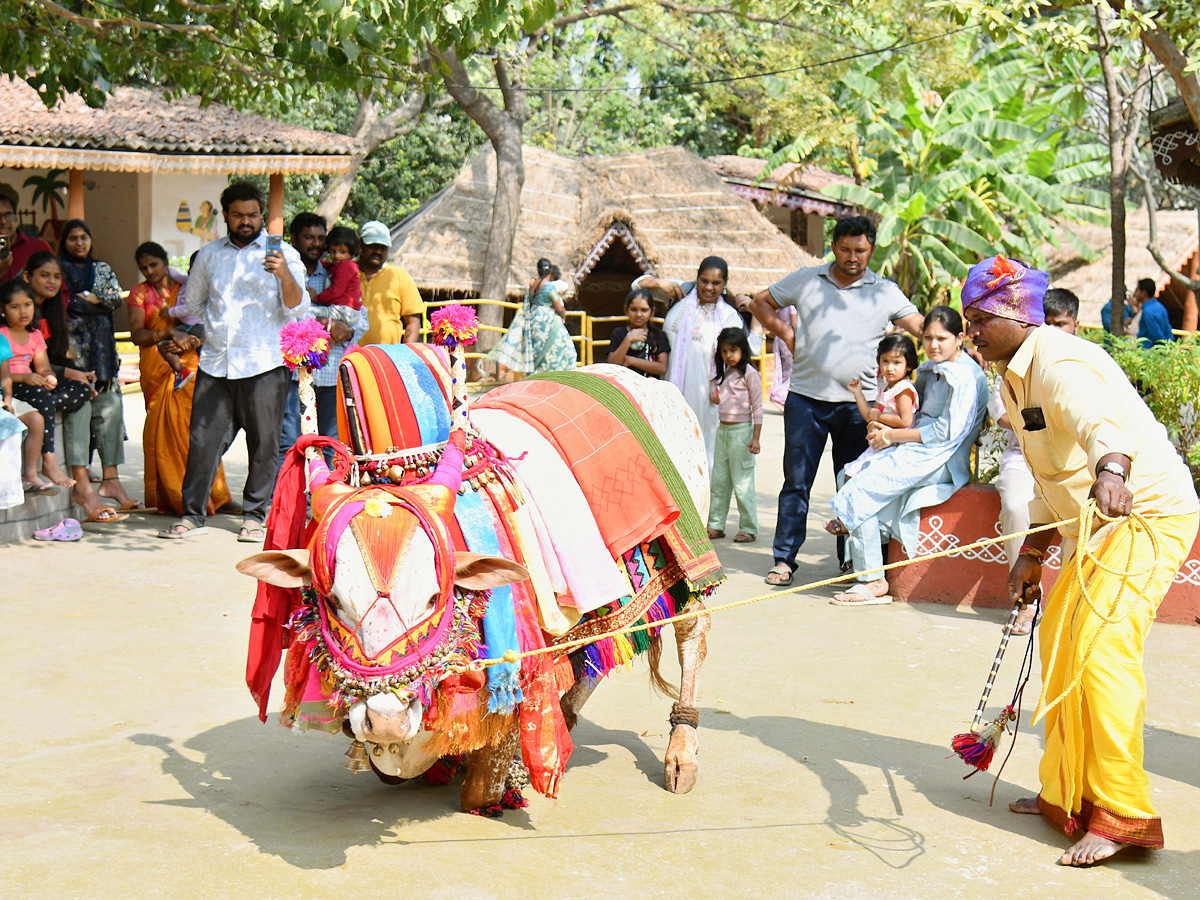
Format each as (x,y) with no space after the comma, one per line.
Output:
(1086,434)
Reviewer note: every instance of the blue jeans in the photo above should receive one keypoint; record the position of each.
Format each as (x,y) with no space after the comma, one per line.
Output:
(807,424)
(326,418)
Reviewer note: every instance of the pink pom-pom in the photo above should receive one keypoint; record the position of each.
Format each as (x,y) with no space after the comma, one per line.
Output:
(304,343)
(454,325)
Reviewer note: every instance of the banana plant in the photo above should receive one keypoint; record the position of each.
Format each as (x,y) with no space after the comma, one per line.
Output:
(951,181)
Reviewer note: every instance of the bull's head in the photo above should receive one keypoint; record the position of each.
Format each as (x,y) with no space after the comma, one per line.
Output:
(382,561)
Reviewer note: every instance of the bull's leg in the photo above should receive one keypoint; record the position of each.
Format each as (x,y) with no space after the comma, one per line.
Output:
(681,770)
(483,786)
(573,700)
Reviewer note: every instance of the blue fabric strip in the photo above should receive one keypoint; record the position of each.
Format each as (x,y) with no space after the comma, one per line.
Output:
(428,403)
(499,621)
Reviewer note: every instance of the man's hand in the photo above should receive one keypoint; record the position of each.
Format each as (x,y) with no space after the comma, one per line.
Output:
(273,262)
(339,331)
(1025,580)
(1113,497)
(668,287)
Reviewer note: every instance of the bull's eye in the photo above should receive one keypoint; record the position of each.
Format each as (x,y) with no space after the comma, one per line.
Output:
(432,604)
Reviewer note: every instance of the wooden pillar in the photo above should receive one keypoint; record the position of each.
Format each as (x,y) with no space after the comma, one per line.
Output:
(1191,314)
(275,205)
(75,194)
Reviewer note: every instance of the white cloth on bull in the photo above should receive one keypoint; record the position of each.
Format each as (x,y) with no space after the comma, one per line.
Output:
(592,576)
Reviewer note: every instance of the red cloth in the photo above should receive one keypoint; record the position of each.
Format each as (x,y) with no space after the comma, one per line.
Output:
(23,247)
(345,287)
(273,606)
(625,492)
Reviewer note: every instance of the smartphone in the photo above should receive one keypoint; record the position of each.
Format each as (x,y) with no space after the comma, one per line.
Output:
(3,246)
(274,242)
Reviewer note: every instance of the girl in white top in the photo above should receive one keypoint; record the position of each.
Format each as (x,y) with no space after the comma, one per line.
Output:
(896,403)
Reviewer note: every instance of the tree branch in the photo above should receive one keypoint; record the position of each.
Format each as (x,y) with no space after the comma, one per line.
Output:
(763,20)
(1163,46)
(102,26)
(1143,175)
(458,83)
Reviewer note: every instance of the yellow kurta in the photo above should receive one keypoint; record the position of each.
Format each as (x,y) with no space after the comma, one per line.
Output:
(1095,624)
(389,295)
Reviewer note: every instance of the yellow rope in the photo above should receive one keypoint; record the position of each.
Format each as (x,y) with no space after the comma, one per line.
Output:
(512,656)
(1083,552)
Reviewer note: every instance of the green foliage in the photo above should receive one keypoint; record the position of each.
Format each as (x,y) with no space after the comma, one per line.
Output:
(1167,376)
(957,179)
(235,52)
(398,177)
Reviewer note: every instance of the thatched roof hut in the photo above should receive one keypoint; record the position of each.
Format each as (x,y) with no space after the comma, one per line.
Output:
(1092,282)
(603,220)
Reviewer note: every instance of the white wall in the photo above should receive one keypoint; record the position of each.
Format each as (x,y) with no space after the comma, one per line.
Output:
(165,195)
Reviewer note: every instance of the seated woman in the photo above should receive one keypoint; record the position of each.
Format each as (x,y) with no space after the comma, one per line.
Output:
(638,345)
(168,410)
(919,466)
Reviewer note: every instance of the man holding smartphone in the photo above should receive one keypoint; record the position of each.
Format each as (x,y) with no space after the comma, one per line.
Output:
(246,287)
(15,247)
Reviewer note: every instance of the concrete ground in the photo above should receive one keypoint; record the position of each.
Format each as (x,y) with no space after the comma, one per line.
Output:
(136,768)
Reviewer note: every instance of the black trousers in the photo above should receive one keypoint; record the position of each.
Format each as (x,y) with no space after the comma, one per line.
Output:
(66,398)
(221,407)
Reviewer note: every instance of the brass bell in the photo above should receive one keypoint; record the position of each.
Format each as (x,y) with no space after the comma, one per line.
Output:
(356,758)
(396,473)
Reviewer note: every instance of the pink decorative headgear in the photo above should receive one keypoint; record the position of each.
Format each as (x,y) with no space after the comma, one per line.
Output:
(1007,288)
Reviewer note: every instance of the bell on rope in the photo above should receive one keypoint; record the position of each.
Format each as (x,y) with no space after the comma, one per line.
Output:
(356,758)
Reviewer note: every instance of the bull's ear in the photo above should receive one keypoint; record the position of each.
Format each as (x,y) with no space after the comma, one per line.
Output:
(477,572)
(282,568)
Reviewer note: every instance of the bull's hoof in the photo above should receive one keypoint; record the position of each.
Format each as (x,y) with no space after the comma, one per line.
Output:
(680,778)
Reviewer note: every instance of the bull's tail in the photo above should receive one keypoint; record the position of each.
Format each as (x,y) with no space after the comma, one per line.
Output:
(654,657)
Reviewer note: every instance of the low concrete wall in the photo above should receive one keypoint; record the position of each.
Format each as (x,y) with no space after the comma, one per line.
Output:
(42,511)
(979,577)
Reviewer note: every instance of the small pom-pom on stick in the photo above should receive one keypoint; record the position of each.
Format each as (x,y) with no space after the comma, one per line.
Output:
(976,748)
(454,326)
(304,343)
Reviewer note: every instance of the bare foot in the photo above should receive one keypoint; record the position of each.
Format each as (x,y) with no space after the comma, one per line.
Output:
(1089,850)
(52,470)
(1024,623)
(113,490)
(83,495)
(1027,806)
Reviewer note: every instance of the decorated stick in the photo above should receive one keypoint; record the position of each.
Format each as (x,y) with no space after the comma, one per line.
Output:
(977,746)
(305,347)
(455,327)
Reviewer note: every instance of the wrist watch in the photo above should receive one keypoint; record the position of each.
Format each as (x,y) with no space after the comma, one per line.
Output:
(1113,468)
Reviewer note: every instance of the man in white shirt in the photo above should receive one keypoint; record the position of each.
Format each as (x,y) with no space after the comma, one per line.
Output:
(245,295)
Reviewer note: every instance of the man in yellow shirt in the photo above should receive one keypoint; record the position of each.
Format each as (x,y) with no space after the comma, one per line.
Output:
(1086,434)
(390,295)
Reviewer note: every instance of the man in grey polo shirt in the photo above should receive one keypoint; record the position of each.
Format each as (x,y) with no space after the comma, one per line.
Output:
(843,311)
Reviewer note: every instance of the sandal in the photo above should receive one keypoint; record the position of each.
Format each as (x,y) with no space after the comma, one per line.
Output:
(860,594)
(182,529)
(252,533)
(743,538)
(780,575)
(39,488)
(836,528)
(66,530)
(713,534)
(105,516)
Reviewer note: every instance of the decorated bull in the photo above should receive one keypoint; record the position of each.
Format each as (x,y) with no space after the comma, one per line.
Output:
(562,509)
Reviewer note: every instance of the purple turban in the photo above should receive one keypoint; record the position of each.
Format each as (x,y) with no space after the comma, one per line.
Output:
(1004,287)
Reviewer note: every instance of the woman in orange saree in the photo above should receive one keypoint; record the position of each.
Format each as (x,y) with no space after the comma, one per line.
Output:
(168,410)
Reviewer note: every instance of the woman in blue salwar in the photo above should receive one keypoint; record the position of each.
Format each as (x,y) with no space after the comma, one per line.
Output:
(919,466)
(537,340)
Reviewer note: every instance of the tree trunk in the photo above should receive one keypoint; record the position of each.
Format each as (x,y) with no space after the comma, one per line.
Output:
(370,130)
(1122,137)
(504,129)
(1164,48)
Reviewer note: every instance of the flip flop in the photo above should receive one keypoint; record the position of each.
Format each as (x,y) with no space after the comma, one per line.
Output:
(40,488)
(779,576)
(105,516)
(713,534)
(94,479)
(66,530)
(135,506)
(858,595)
(742,538)
(252,534)
(173,533)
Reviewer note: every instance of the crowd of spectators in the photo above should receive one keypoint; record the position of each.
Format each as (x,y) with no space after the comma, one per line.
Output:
(209,363)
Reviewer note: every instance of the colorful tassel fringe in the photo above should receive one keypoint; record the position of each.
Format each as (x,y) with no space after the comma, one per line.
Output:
(976,748)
